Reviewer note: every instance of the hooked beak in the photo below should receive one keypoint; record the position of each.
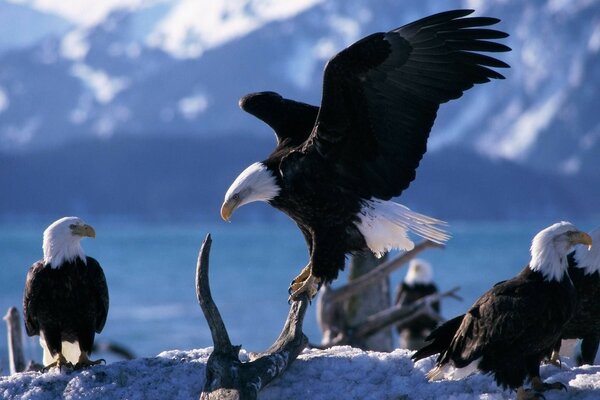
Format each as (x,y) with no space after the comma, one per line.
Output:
(84,230)
(582,238)
(228,208)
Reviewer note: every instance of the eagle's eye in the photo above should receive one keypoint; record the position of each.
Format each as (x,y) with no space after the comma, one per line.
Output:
(72,226)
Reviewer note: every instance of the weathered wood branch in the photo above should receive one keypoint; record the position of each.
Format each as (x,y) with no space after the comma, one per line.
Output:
(402,315)
(226,376)
(16,356)
(341,334)
(357,285)
(218,331)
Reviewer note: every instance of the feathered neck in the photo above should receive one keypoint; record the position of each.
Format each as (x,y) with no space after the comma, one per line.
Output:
(60,247)
(589,260)
(549,252)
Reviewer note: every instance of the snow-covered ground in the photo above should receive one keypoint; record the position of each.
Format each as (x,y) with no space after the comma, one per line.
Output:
(337,373)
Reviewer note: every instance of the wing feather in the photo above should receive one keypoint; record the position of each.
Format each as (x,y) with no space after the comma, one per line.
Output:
(30,296)
(381,95)
(291,120)
(100,292)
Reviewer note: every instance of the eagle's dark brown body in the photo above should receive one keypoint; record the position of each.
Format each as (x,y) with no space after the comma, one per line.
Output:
(510,329)
(585,324)
(69,303)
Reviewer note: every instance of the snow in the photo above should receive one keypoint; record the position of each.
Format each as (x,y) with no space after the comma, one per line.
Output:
(192,106)
(82,12)
(594,42)
(104,87)
(524,132)
(4,103)
(20,135)
(74,45)
(339,372)
(192,27)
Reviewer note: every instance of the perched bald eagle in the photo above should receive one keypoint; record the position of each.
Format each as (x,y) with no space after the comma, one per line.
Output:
(584,270)
(336,167)
(66,296)
(417,284)
(509,330)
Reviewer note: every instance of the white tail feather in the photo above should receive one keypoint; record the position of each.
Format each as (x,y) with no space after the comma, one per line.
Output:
(449,371)
(385,224)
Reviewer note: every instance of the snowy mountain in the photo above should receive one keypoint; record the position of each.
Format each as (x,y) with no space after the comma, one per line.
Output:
(77,71)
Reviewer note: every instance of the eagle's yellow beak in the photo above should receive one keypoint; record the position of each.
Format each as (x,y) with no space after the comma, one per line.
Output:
(228,208)
(84,230)
(582,238)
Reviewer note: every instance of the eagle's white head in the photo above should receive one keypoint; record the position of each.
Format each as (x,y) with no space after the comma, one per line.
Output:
(589,259)
(61,241)
(550,247)
(419,272)
(255,183)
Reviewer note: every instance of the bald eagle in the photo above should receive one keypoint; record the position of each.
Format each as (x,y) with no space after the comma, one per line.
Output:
(336,167)
(417,284)
(66,297)
(509,330)
(584,270)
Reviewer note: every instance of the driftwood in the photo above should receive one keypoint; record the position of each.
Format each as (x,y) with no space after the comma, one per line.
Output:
(226,376)
(396,315)
(373,299)
(15,343)
(381,272)
(331,315)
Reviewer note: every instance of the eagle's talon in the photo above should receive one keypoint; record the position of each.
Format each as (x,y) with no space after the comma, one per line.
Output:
(555,360)
(529,394)
(85,362)
(60,362)
(310,285)
(539,386)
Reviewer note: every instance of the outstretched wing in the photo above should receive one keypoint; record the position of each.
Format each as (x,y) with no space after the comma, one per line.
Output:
(381,95)
(291,120)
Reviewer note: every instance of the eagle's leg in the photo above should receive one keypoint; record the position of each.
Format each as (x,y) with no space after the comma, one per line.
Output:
(305,282)
(302,276)
(528,394)
(59,362)
(555,359)
(85,362)
(539,386)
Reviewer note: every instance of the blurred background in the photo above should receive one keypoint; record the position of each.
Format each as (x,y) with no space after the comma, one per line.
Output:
(124,113)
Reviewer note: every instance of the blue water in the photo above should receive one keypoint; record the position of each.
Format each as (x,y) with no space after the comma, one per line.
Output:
(150,270)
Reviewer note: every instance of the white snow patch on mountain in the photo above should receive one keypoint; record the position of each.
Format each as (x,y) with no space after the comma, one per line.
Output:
(74,45)
(103,86)
(192,106)
(83,12)
(108,122)
(192,27)
(594,42)
(4,102)
(522,134)
(19,135)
